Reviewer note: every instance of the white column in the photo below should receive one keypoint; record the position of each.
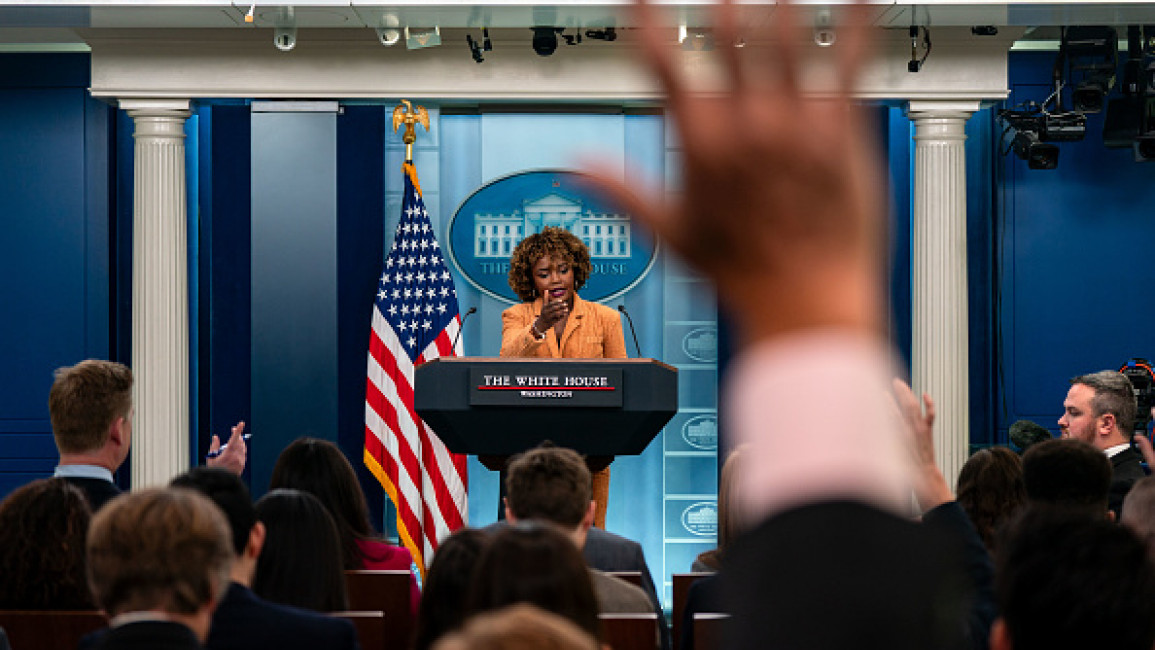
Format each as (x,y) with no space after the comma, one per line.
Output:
(160,327)
(939,274)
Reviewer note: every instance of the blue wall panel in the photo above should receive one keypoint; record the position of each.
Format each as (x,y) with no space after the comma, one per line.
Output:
(360,233)
(294,283)
(54,246)
(1074,275)
(225,321)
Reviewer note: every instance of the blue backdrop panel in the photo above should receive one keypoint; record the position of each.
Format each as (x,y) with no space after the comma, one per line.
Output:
(476,149)
(54,246)
(224,269)
(294,280)
(360,231)
(1074,275)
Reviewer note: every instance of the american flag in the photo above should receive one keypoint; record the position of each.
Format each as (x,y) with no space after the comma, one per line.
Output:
(415,319)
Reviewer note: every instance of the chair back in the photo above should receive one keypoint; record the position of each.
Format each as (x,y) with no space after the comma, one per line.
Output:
(682,582)
(708,629)
(630,631)
(385,591)
(370,628)
(632,577)
(49,630)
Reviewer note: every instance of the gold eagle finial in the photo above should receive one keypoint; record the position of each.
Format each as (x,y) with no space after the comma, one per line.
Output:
(405,113)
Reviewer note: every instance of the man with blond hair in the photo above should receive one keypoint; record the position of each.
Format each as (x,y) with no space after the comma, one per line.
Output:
(158,564)
(91,408)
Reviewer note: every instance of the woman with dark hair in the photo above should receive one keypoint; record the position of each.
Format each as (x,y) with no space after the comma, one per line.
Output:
(42,530)
(537,564)
(728,516)
(300,564)
(447,585)
(545,271)
(991,490)
(319,468)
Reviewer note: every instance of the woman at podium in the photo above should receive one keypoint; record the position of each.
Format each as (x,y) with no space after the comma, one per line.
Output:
(545,271)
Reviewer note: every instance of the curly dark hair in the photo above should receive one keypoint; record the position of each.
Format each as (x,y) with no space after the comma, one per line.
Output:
(557,242)
(42,530)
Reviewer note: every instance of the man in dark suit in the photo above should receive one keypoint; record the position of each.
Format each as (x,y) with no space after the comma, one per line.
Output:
(158,564)
(606,551)
(1100,410)
(90,405)
(244,621)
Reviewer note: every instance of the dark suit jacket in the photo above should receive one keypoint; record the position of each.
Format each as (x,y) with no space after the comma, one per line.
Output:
(606,551)
(149,635)
(98,491)
(244,621)
(1126,468)
(975,565)
(825,574)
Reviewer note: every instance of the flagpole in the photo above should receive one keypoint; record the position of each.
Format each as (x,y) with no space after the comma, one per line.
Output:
(405,113)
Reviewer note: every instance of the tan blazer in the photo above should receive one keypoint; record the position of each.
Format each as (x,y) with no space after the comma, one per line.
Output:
(593,331)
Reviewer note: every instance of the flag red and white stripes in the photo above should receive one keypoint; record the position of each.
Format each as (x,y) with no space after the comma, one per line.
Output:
(415,319)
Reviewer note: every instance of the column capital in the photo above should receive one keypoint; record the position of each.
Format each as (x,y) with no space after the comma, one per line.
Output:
(156,107)
(945,108)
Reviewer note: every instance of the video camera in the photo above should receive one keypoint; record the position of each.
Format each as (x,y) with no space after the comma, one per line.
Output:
(1142,378)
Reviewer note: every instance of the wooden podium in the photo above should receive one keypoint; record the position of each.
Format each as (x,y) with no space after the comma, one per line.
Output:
(497,407)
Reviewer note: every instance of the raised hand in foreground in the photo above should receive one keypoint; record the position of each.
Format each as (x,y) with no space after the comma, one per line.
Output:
(780,203)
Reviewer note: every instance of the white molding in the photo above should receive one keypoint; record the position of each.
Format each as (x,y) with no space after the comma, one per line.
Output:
(350,64)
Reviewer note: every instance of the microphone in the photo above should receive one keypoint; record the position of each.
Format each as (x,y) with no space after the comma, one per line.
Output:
(1024,433)
(472,310)
(622,308)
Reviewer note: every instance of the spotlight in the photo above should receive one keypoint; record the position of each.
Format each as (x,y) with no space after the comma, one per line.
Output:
(1039,155)
(388,36)
(1035,130)
(1144,148)
(1092,54)
(285,38)
(545,40)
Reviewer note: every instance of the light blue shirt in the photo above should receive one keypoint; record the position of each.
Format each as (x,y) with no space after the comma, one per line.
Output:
(83,471)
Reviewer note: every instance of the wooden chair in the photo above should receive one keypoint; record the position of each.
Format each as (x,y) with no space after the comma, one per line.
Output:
(386,592)
(629,631)
(370,629)
(632,577)
(49,630)
(682,582)
(708,629)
